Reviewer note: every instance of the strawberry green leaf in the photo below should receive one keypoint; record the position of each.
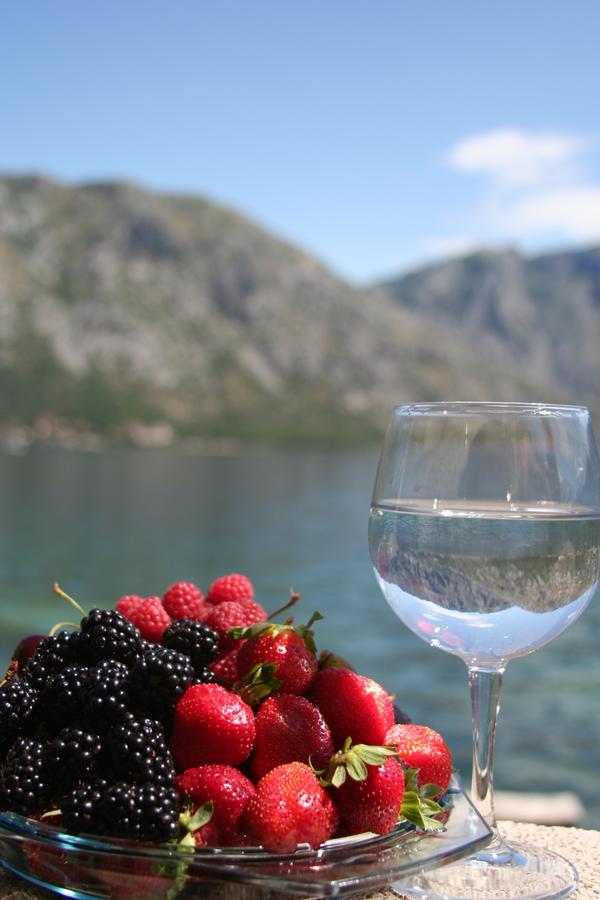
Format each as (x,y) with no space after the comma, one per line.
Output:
(237,632)
(306,632)
(430,824)
(339,776)
(354,760)
(259,683)
(411,809)
(410,779)
(356,767)
(428,791)
(262,672)
(193,821)
(430,807)
(187,842)
(177,868)
(248,631)
(418,812)
(373,755)
(260,692)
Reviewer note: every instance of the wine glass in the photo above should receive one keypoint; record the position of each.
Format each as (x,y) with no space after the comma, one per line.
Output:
(484,533)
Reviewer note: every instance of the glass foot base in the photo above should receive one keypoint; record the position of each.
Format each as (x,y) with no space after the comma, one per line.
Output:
(515,871)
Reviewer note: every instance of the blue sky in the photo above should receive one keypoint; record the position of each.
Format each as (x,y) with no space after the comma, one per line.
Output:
(376,135)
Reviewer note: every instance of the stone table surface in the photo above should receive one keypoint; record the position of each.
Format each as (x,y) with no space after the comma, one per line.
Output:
(580,846)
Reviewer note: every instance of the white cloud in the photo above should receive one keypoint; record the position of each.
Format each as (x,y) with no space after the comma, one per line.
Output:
(574,212)
(513,157)
(534,189)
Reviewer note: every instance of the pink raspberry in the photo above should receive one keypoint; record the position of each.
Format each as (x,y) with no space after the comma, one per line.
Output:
(254,607)
(127,604)
(228,615)
(183,600)
(225,665)
(151,618)
(230,587)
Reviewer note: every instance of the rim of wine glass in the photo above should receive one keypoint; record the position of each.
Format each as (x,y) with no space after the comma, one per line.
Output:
(476,407)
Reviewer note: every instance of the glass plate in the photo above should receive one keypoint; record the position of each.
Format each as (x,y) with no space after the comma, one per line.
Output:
(82,867)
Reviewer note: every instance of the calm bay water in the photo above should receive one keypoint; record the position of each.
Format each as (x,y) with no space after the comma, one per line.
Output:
(105,524)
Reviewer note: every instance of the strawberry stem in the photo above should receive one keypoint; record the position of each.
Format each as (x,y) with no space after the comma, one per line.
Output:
(10,672)
(295,596)
(59,626)
(316,617)
(50,813)
(58,590)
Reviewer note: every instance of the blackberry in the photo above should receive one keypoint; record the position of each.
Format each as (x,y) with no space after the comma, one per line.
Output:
(106,634)
(79,808)
(400,717)
(194,639)
(105,693)
(23,783)
(18,701)
(72,758)
(52,655)
(143,812)
(158,679)
(206,676)
(136,750)
(62,697)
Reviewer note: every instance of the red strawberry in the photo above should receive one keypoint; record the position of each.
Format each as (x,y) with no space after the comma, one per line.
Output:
(183,600)
(422,748)
(151,618)
(207,835)
(211,725)
(289,649)
(289,808)
(224,666)
(230,587)
(295,664)
(353,706)
(229,791)
(229,615)
(372,803)
(128,603)
(289,729)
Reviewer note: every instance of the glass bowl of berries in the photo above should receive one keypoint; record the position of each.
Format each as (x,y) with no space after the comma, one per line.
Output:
(184,741)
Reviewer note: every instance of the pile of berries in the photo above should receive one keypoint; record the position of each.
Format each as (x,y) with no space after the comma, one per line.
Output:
(195,718)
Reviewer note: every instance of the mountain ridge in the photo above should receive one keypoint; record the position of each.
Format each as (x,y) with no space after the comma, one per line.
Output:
(123,307)
(540,312)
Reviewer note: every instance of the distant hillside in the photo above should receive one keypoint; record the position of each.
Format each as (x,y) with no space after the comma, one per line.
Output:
(120,308)
(540,314)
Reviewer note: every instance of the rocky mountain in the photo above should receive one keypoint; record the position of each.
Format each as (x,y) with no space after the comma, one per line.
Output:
(540,314)
(123,310)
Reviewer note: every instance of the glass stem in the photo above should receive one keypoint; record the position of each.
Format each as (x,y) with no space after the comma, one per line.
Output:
(485,703)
